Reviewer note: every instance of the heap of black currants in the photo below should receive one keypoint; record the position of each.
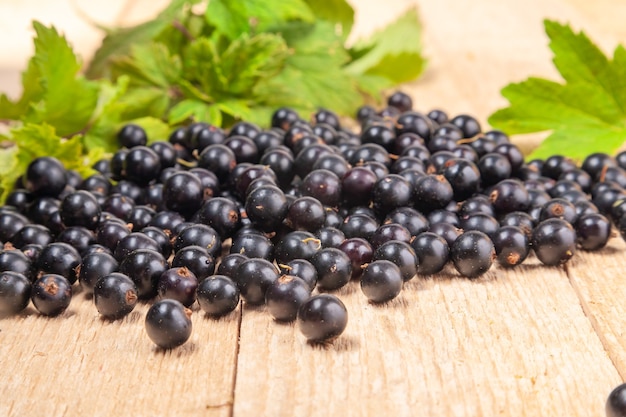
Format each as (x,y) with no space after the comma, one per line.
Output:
(288,215)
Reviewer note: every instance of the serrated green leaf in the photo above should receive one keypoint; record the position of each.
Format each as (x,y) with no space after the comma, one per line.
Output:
(144,101)
(156,129)
(68,100)
(32,91)
(249,59)
(118,42)
(234,18)
(394,52)
(9,171)
(313,75)
(239,109)
(149,65)
(585,114)
(372,85)
(195,110)
(201,65)
(338,12)
(108,119)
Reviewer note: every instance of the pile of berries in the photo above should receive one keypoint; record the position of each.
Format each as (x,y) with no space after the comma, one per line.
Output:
(275,216)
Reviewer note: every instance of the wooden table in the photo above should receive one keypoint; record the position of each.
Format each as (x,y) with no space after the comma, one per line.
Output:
(533,341)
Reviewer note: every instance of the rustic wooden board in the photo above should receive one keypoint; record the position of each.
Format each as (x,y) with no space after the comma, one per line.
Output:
(511,343)
(78,364)
(533,341)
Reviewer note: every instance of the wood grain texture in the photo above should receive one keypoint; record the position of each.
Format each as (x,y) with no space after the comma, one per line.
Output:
(78,364)
(599,282)
(534,341)
(512,343)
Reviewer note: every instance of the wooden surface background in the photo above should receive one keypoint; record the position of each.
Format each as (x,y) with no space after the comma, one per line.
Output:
(534,341)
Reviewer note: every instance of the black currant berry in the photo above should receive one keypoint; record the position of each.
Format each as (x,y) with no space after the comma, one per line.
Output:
(15,291)
(511,244)
(45,176)
(178,283)
(132,135)
(115,295)
(381,281)
(285,296)
(472,253)
(432,252)
(334,268)
(554,241)
(218,295)
(168,323)
(93,267)
(253,277)
(51,294)
(322,318)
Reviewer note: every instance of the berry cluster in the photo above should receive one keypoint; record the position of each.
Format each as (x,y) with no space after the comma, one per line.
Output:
(276,216)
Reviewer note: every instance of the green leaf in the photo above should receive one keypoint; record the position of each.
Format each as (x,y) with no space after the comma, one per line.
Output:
(144,101)
(586,113)
(35,140)
(249,59)
(32,91)
(338,12)
(394,52)
(234,18)
(53,91)
(156,129)
(118,42)
(149,65)
(201,66)
(195,110)
(313,75)
(237,108)
(108,119)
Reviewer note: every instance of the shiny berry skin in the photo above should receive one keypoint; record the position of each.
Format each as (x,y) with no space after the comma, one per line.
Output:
(322,318)
(323,185)
(468,125)
(168,323)
(183,193)
(199,235)
(463,176)
(266,207)
(296,245)
(432,192)
(411,219)
(219,159)
(357,185)
(400,101)
(432,252)
(59,258)
(381,281)
(144,267)
(178,284)
(132,135)
(45,176)
(197,259)
(253,245)
(401,254)
(218,295)
(554,241)
(616,402)
(222,214)
(512,245)
(132,242)
(51,294)
(11,223)
(558,208)
(15,290)
(391,192)
(284,118)
(93,267)
(472,254)
(115,295)
(306,213)
(142,165)
(334,268)
(301,268)
(80,208)
(253,277)
(285,296)
(592,231)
